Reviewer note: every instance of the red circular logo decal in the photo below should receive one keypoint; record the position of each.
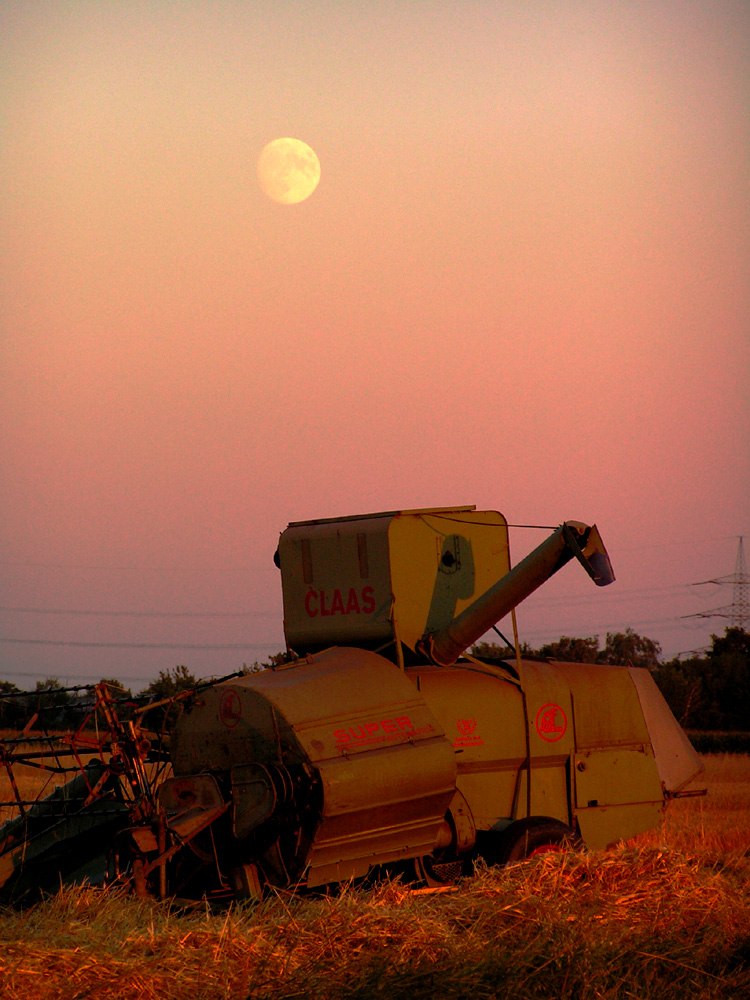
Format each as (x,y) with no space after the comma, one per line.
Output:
(551,722)
(230,708)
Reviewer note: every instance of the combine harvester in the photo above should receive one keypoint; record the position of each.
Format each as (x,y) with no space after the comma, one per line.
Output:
(382,745)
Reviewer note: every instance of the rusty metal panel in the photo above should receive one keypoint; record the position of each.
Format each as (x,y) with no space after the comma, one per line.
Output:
(336,583)
(190,804)
(177,795)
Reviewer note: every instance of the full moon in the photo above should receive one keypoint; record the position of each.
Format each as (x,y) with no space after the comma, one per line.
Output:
(288,171)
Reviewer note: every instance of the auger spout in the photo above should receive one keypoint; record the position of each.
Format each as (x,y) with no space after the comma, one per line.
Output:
(571,539)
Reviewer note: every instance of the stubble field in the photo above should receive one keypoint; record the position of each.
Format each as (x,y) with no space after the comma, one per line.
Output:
(664,917)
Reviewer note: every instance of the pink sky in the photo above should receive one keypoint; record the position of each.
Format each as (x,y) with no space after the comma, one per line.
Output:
(521,283)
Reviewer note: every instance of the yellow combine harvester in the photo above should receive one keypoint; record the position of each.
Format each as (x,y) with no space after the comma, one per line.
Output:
(383,743)
(383,746)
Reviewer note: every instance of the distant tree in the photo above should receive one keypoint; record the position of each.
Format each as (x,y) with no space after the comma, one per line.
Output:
(621,647)
(168,685)
(735,642)
(682,682)
(274,660)
(630,648)
(11,709)
(572,650)
(53,703)
(728,669)
(51,692)
(711,692)
(7,688)
(121,696)
(117,688)
(491,651)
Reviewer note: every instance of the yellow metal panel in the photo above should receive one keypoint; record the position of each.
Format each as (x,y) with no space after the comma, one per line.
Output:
(480,712)
(482,715)
(614,777)
(549,792)
(489,794)
(387,772)
(607,825)
(680,767)
(381,805)
(440,562)
(606,705)
(361,580)
(550,712)
(617,794)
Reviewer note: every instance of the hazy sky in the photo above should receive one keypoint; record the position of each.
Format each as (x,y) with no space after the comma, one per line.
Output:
(522,283)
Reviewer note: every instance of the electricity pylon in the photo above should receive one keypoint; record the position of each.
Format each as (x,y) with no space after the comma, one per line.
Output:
(738,612)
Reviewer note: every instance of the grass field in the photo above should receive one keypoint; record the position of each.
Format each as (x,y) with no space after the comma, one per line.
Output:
(718,822)
(663,917)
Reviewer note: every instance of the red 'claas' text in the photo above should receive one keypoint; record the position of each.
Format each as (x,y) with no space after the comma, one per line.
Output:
(318,602)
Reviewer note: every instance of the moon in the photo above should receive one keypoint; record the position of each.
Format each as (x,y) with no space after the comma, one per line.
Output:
(288,170)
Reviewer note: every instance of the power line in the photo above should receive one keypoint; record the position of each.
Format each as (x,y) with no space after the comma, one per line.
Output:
(539,600)
(134,645)
(142,614)
(738,612)
(145,569)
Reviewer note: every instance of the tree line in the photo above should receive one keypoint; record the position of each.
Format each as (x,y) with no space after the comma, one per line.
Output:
(709,692)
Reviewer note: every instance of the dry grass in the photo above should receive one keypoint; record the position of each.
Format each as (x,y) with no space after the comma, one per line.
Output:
(718,823)
(663,918)
(39,781)
(31,782)
(34,782)
(633,923)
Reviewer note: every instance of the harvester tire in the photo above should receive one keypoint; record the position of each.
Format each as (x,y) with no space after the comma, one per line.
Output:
(527,838)
(434,874)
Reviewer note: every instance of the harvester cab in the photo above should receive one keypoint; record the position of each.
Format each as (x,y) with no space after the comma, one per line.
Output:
(417,582)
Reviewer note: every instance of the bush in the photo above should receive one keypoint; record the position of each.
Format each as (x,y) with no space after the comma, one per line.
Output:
(713,742)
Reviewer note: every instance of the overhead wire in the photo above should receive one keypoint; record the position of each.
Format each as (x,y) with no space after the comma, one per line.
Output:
(135,645)
(141,614)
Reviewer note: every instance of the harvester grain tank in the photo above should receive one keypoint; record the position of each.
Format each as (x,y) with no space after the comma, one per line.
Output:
(383,744)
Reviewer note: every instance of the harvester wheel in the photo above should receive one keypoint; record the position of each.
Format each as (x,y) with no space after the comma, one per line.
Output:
(435,874)
(526,838)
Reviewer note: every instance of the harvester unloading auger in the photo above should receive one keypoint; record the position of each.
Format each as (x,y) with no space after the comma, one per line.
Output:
(382,745)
